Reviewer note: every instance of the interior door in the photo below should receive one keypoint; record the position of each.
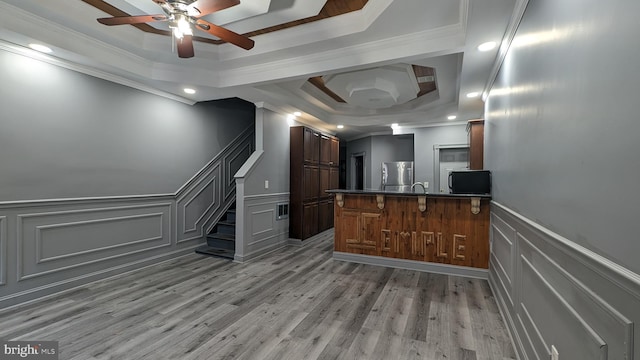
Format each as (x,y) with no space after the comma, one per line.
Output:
(450,160)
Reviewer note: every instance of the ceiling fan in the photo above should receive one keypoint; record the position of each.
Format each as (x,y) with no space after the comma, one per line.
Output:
(183,16)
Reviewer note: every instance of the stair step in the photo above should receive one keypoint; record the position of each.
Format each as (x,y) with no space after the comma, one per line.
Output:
(226,227)
(212,251)
(222,241)
(231,215)
(222,236)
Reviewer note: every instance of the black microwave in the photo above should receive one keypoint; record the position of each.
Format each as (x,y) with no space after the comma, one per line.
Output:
(470,182)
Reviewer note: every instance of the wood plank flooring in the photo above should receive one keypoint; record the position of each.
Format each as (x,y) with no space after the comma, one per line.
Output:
(297,303)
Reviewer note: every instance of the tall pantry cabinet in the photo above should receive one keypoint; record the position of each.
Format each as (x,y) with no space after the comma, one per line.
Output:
(314,169)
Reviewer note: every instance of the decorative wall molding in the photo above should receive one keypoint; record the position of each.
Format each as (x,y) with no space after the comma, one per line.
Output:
(552,291)
(233,162)
(261,232)
(215,173)
(212,202)
(52,245)
(146,225)
(262,222)
(41,258)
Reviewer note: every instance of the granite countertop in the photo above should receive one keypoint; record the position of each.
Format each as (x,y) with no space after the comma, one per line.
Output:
(404,193)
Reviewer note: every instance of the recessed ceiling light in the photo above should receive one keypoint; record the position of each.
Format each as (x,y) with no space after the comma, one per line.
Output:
(451,117)
(189,91)
(487,46)
(297,113)
(340,126)
(473,94)
(41,48)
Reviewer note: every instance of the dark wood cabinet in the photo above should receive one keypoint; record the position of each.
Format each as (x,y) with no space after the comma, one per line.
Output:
(325,182)
(310,224)
(325,150)
(475,130)
(334,178)
(311,183)
(335,152)
(325,212)
(313,170)
(310,146)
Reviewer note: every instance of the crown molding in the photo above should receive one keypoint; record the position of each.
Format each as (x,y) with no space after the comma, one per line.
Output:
(428,42)
(19,50)
(507,39)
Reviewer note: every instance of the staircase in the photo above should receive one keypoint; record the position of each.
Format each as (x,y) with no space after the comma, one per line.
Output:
(221,241)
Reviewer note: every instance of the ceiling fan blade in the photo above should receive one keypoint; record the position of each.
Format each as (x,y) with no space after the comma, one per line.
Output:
(127,20)
(209,6)
(225,34)
(185,46)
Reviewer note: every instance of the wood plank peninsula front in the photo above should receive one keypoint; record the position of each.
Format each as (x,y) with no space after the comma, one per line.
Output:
(438,229)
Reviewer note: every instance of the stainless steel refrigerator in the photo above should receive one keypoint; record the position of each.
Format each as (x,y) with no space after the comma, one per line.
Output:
(397,176)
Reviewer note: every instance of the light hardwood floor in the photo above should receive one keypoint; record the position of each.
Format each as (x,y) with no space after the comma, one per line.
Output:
(296,303)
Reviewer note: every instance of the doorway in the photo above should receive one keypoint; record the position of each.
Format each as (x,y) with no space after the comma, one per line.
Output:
(358,171)
(448,158)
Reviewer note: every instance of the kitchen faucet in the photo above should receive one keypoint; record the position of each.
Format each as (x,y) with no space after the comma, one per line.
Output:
(421,184)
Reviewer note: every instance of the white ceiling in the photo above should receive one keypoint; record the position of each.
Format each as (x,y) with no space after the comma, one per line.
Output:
(385,34)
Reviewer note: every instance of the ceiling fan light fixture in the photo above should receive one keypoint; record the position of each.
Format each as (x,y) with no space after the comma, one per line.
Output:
(180,26)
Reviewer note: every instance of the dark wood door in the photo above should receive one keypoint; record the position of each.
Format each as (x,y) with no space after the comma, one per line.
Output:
(326,215)
(335,152)
(311,146)
(310,220)
(476,144)
(325,183)
(325,150)
(311,183)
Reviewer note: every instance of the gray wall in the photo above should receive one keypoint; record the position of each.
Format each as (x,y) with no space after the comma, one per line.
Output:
(425,138)
(67,135)
(257,228)
(385,148)
(562,141)
(109,150)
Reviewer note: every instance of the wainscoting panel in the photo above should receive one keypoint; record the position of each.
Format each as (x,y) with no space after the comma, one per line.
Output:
(48,246)
(198,204)
(262,221)
(263,232)
(502,258)
(56,241)
(233,162)
(3,250)
(563,295)
(202,202)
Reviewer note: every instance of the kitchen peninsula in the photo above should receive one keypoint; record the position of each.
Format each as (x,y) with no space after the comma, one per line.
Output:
(444,233)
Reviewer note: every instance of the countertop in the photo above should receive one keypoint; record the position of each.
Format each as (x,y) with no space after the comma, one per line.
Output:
(403,193)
